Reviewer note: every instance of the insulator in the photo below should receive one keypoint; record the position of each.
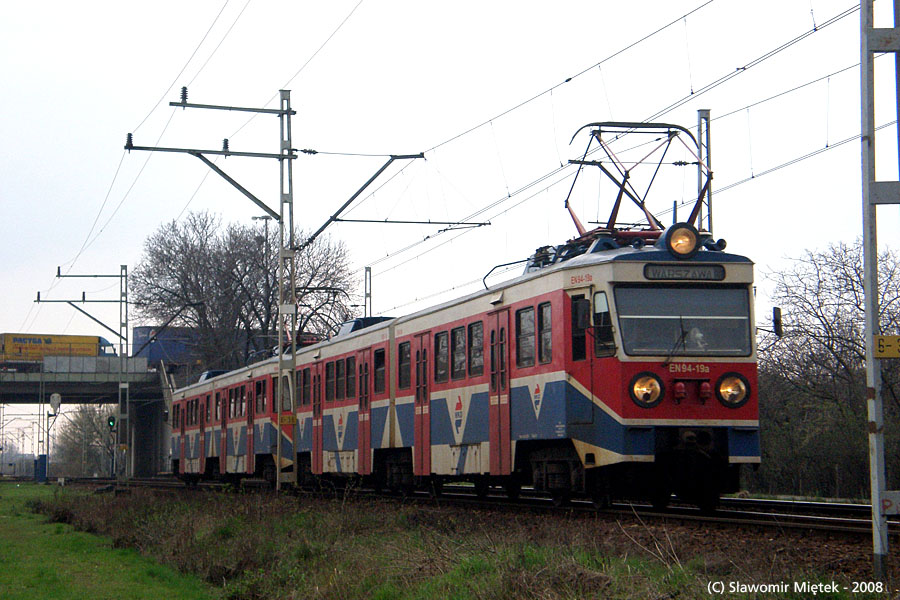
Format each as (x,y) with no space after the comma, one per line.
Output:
(129,142)
(225,145)
(184,95)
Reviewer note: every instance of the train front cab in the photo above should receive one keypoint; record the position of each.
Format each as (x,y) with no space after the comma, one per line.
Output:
(661,384)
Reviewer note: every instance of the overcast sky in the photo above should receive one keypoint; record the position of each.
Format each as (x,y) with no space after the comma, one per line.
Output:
(381,77)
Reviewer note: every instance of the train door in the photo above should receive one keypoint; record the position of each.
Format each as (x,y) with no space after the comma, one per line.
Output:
(286,418)
(364,462)
(181,450)
(498,412)
(317,427)
(202,418)
(252,390)
(587,344)
(223,443)
(422,430)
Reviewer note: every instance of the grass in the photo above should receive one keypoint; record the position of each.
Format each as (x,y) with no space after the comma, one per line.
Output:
(41,560)
(261,546)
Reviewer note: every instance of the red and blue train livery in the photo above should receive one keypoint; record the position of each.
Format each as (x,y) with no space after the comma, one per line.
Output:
(620,364)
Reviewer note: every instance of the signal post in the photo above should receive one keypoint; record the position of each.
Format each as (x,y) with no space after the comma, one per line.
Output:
(874,193)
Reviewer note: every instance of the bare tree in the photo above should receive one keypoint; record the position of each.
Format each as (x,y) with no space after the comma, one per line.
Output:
(813,380)
(223,282)
(84,445)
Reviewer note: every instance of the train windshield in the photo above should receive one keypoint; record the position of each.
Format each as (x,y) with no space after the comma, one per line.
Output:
(684,321)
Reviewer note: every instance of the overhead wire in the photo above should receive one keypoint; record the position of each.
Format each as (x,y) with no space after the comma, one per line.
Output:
(710,86)
(133,183)
(573,77)
(671,107)
(753,63)
(798,159)
(87,240)
(523,103)
(788,163)
(175,80)
(216,49)
(302,67)
(784,93)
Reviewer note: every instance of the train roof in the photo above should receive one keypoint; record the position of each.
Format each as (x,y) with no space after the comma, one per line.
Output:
(594,254)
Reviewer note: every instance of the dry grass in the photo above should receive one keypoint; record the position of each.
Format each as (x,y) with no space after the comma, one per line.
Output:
(262,546)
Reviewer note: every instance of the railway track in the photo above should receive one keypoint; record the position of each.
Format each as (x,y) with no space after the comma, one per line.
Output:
(824,517)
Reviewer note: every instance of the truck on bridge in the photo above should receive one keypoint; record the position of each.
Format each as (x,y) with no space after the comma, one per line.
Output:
(25,352)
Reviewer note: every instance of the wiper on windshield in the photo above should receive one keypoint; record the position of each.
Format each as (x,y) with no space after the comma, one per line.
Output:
(679,341)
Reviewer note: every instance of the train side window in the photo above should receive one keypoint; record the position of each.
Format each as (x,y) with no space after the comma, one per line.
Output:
(218,407)
(525,337)
(378,360)
(545,333)
(285,393)
(604,343)
(441,357)
(306,387)
(579,335)
(339,380)
(243,400)
(207,407)
(329,382)
(458,353)
(351,377)
(403,366)
(476,349)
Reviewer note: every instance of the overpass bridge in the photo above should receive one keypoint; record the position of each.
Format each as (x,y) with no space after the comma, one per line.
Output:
(97,380)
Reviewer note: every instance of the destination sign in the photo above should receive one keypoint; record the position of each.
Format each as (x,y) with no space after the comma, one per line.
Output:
(685,272)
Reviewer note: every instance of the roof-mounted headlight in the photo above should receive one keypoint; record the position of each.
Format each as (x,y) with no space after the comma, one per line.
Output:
(682,240)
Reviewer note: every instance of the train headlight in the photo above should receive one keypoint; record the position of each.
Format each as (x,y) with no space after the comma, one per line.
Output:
(733,390)
(682,240)
(646,390)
